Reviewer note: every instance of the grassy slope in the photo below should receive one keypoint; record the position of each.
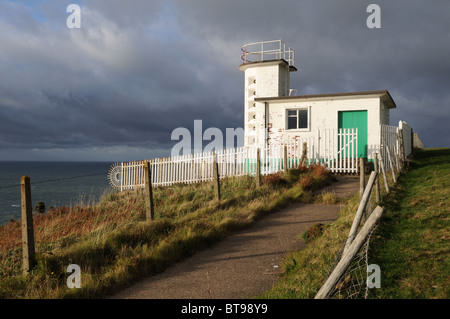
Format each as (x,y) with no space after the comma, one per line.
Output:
(410,245)
(114,245)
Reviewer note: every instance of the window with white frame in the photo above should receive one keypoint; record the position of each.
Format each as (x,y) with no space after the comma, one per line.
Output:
(297,119)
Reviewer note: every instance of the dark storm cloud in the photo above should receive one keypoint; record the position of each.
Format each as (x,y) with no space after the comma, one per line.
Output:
(134,72)
(336,52)
(128,81)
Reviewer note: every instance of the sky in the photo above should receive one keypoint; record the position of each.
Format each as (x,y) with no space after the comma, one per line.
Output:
(116,88)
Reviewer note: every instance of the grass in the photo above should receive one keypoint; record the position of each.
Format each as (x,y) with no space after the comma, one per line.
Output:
(114,245)
(410,245)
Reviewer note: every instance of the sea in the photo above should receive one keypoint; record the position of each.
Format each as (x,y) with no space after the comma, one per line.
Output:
(55,184)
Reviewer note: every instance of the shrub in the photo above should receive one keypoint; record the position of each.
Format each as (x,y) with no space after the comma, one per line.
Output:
(320,171)
(328,198)
(275,180)
(303,169)
(294,174)
(307,183)
(314,231)
(40,208)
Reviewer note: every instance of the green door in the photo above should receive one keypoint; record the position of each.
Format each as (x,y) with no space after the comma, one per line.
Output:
(356,119)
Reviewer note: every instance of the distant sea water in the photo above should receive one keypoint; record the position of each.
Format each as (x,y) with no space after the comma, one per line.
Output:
(53,183)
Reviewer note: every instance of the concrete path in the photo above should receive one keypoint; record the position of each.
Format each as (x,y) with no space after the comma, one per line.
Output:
(244,264)
(345,187)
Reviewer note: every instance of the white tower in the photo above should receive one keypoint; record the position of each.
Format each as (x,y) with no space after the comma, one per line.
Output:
(267,66)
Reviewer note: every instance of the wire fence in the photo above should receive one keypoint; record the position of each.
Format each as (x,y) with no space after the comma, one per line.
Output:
(54,180)
(56,191)
(352,284)
(347,277)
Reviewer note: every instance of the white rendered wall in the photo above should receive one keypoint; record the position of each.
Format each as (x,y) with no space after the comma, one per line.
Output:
(265,79)
(324,115)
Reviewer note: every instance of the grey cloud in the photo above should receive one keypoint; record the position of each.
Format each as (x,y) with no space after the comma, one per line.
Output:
(135,72)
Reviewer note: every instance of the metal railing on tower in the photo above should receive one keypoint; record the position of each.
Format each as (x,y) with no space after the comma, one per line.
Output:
(267,50)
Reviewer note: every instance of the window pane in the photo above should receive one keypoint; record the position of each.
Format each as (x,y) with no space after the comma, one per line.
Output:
(292,123)
(294,112)
(303,119)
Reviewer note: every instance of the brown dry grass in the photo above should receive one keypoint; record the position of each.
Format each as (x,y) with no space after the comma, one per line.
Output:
(73,221)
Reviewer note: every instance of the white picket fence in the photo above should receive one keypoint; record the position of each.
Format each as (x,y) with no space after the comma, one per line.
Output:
(390,139)
(338,150)
(334,149)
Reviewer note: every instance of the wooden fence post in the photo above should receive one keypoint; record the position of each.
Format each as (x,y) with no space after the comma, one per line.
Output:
(149,205)
(401,148)
(27,226)
(377,181)
(258,167)
(386,184)
(362,177)
(304,158)
(347,258)
(362,206)
(216,179)
(285,160)
(391,164)
(396,160)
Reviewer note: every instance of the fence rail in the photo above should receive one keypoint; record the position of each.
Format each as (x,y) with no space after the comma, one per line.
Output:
(267,50)
(336,149)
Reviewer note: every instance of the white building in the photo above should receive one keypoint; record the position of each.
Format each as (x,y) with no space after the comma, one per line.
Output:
(337,129)
(273,114)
